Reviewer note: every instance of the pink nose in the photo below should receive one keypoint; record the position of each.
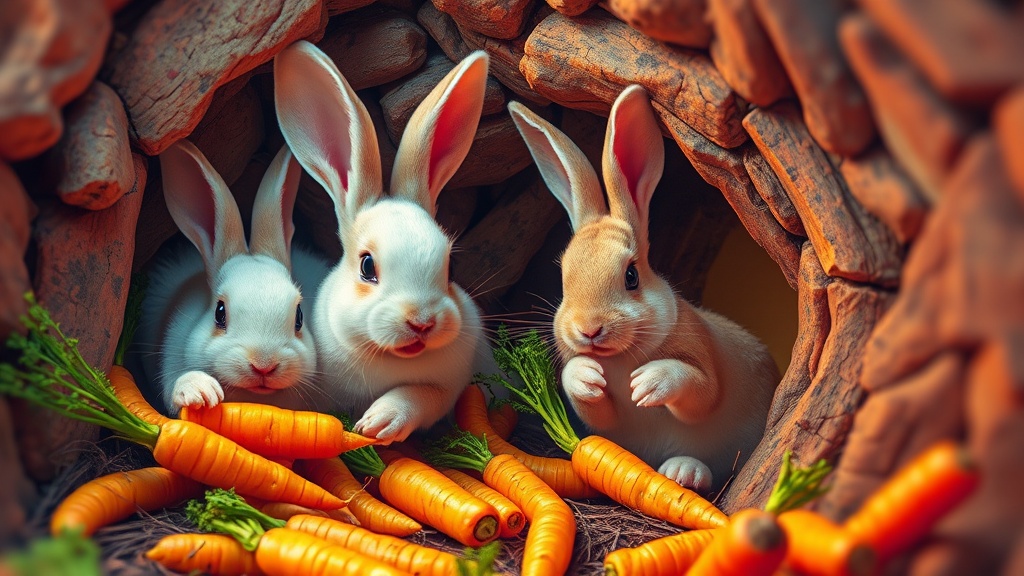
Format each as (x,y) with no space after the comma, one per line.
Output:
(265,370)
(421,328)
(593,332)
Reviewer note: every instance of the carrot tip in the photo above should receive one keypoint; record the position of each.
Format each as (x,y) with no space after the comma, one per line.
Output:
(765,533)
(486,529)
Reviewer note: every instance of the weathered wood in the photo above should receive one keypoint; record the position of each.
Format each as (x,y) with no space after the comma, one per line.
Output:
(183,50)
(501,19)
(1008,120)
(50,53)
(884,189)
(498,152)
(923,131)
(850,243)
(585,62)
(16,213)
(17,493)
(834,106)
(743,54)
(374,46)
(772,192)
(677,21)
(970,51)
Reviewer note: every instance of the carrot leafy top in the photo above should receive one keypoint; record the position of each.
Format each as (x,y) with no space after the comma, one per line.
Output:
(52,373)
(459,449)
(225,512)
(530,358)
(364,460)
(797,486)
(479,561)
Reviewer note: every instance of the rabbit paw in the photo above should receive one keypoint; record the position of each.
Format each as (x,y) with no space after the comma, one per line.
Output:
(688,472)
(387,422)
(657,383)
(196,388)
(583,379)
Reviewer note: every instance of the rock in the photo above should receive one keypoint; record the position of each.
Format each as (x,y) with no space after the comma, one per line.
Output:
(501,19)
(232,135)
(969,51)
(83,268)
(17,493)
(1008,121)
(585,62)
(834,106)
(677,21)
(572,7)
(16,213)
(456,209)
(850,243)
(373,47)
(335,7)
(443,29)
(772,192)
(885,191)
(93,159)
(923,131)
(183,50)
(743,54)
(50,53)
(964,274)
(498,152)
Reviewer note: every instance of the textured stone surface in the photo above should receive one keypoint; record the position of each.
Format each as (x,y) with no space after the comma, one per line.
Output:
(677,21)
(373,47)
(335,7)
(1008,120)
(772,192)
(501,19)
(743,54)
(498,152)
(885,190)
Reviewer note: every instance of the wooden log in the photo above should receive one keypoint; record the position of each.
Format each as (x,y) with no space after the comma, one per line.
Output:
(585,62)
(923,131)
(772,192)
(850,243)
(834,106)
(375,46)
(183,50)
(16,214)
(676,21)
(501,19)
(885,191)
(51,51)
(963,279)
(744,55)
(943,39)
(335,7)
(1008,120)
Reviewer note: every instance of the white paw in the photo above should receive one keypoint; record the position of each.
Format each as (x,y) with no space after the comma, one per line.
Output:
(387,422)
(657,383)
(583,379)
(688,472)
(196,388)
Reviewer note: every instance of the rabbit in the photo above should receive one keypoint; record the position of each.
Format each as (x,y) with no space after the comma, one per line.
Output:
(685,389)
(396,337)
(226,320)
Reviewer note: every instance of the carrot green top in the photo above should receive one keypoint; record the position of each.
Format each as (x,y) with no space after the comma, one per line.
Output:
(364,460)
(460,449)
(797,486)
(225,512)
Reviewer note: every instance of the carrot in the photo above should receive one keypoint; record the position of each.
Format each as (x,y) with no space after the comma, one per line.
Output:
(753,544)
(510,517)
(817,546)
(552,532)
(54,375)
(285,510)
(277,432)
(471,416)
(108,499)
(905,508)
(207,553)
(123,385)
(372,514)
(503,419)
(394,551)
(665,556)
(603,464)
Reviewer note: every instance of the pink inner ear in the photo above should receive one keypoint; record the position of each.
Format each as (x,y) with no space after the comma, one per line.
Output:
(445,133)
(195,195)
(627,154)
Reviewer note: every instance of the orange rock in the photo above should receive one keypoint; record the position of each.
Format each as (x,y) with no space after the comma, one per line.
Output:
(881,186)
(373,47)
(677,21)
(1008,121)
(743,54)
(50,53)
(772,192)
(16,213)
(572,7)
(442,28)
(335,7)
(501,19)
(834,106)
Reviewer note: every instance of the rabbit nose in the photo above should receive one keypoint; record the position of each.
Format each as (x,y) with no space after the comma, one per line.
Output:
(590,333)
(419,327)
(263,369)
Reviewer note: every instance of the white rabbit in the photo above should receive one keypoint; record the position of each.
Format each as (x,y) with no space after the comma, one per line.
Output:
(396,338)
(225,322)
(683,388)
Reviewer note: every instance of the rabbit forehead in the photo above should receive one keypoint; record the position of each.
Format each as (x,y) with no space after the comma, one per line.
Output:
(257,290)
(402,237)
(600,248)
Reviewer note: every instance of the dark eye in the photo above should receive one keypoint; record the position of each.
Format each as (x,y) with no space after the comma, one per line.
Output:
(298,317)
(367,269)
(632,277)
(220,316)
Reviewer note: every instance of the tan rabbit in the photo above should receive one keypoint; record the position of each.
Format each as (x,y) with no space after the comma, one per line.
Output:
(683,388)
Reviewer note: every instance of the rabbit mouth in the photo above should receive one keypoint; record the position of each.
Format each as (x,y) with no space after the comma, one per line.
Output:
(410,350)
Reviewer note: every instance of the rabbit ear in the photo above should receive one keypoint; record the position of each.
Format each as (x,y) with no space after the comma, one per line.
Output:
(440,133)
(564,167)
(201,204)
(272,225)
(327,128)
(634,158)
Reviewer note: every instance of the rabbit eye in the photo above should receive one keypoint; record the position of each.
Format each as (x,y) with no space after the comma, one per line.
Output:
(367,269)
(632,277)
(220,316)
(298,317)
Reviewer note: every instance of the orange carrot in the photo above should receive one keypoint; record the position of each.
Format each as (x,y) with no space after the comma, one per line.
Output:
(123,384)
(665,556)
(907,506)
(108,499)
(752,545)
(206,553)
(374,515)
(510,517)
(503,419)
(394,551)
(285,552)
(276,432)
(558,473)
(817,546)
